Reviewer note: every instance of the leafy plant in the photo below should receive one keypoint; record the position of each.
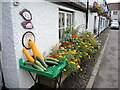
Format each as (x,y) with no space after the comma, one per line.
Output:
(76,46)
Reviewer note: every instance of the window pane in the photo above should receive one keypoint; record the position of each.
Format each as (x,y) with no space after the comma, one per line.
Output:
(61,33)
(63,20)
(69,20)
(114,12)
(59,19)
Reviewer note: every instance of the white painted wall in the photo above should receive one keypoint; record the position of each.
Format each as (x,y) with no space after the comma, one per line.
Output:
(8,54)
(90,22)
(45,21)
(79,18)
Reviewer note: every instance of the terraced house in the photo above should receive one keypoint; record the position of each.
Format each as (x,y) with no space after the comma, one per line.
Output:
(43,21)
(115,11)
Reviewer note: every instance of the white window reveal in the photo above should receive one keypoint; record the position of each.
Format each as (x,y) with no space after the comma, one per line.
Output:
(65,21)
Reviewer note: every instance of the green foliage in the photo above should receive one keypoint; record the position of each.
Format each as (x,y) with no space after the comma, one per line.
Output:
(76,46)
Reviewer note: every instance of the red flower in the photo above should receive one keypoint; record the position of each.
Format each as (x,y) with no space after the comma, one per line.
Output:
(52,56)
(95,4)
(74,36)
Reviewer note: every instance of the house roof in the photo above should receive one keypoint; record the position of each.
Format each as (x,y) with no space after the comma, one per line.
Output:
(77,2)
(114,6)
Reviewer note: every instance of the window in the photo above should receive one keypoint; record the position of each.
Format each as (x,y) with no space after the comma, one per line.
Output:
(65,21)
(114,12)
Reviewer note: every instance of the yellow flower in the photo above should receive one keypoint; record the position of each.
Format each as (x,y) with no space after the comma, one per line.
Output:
(81,69)
(80,56)
(78,66)
(69,49)
(74,52)
(64,69)
(85,53)
(64,53)
(57,44)
(89,57)
(62,48)
(72,62)
(53,47)
(60,56)
(78,46)
(86,45)
(87,35)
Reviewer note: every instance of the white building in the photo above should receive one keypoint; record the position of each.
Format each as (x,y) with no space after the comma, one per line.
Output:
(48,19)
(95,21)
(115,11)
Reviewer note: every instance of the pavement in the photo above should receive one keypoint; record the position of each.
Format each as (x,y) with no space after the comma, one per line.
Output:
(0,75)
(107,76)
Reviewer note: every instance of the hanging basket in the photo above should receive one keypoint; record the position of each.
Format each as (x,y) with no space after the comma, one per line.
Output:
(93,10)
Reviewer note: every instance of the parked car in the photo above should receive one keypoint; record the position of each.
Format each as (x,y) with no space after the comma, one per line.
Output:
(114,20)
(114,25)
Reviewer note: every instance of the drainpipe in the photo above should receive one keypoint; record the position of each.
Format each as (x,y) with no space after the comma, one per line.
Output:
(99,27)
(87,14)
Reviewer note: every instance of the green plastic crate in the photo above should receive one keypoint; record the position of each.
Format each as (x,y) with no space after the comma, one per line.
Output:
(51,72)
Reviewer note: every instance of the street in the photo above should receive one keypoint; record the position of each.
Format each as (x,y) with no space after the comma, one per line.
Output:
(107,76)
